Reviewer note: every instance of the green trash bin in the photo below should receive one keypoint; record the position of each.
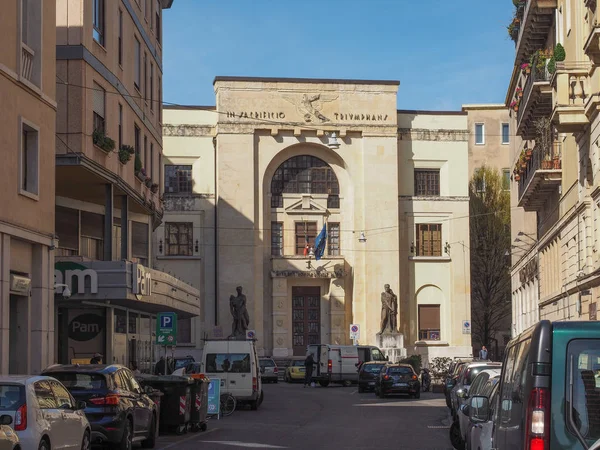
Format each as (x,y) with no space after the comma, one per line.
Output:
(176,403)
(199,410)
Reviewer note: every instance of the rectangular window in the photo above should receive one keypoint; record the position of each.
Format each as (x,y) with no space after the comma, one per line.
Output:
(505,133)
(179,238)
(92,235)
(120,125)
(66,224)
(333,239)
(306,232)
(479,180)
(145,163)
(178,179)
(29,159)
(429,322)
(159,99)
(277,238)
(479,134)
(427,182)
(120,37)
(151,87)
(98,19)
(98,100)
(139,242)
(136,134)
(145,77)
(152,160)
(25,21)
(506,179)
(429,239)
(158,36)
(137,71)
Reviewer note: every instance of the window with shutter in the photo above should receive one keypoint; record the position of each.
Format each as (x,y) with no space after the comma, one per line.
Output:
(429,322)
(277,238)
(98,100)
(139,242)
(67,229)
(429,239)
(92,235)
(333,239)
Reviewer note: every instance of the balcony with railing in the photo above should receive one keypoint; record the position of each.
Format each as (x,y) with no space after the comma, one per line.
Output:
(534,27)
(539,174)
(27,55)
(570,95)
(536,100)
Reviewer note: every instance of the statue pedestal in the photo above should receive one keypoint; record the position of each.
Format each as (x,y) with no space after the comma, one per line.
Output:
(392,345)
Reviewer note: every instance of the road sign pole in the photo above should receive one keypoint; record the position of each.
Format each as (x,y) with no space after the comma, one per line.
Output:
(166,363)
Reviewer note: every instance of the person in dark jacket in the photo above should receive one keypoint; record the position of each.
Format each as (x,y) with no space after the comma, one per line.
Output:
(309,363)
(97,359)
(159,368)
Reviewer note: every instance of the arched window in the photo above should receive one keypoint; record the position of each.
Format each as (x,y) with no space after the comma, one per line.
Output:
(304,175)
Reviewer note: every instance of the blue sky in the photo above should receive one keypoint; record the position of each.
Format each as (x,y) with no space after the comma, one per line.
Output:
(445,53)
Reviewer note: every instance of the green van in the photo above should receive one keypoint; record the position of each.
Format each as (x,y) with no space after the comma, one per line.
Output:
(549,392)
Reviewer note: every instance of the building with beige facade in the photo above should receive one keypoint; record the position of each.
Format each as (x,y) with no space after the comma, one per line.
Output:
(554,103)
(27,89)
(251,182)
(108,189)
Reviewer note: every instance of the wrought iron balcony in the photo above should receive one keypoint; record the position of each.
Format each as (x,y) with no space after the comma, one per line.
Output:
(536,101)
(537,21)
(570,96)
(542,175)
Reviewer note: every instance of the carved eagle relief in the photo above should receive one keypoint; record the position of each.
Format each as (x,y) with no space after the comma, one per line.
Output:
(310,105)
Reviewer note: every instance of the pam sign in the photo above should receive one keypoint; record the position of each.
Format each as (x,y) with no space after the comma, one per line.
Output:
(86,327)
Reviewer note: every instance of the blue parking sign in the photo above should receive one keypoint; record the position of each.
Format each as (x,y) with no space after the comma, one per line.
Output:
(214,396)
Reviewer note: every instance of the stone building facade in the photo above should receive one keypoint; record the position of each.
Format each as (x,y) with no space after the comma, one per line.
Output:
(250,182)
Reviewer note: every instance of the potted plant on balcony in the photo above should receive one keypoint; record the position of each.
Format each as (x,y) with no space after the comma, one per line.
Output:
(125,153)
(137,167)
(154,188)
(513,29)
(514,105)
(148,182)
(526,68)
(519,92)
(102,141)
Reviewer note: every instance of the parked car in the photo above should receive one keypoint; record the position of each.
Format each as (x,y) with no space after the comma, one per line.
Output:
(368,374)
(398,379)
(454,371)
(295,371)
(269,371)
(44,414)
(479,436)
(8,438)
(460,426)
(119,411)
(467,376)
(549,393)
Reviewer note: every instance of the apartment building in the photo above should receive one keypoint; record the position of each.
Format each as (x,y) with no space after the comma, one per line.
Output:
(251,182)
(28,111)
(553,100)
(109,178)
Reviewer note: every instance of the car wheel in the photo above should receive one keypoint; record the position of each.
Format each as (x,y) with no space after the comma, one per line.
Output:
(44,445)
(127,439)
(150,441)
(85,443)
(455,437)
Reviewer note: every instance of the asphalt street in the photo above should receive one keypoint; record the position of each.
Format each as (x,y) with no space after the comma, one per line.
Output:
(293,417)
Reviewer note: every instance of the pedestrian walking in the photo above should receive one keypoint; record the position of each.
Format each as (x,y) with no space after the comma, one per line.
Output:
(97,359)
(309,363)
(483,353)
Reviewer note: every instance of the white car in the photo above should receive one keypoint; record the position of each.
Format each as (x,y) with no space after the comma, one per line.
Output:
(45,415)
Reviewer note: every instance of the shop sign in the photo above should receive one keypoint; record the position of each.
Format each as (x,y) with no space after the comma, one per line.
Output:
(86,327)
(142,281)
(64,272)
(19,284)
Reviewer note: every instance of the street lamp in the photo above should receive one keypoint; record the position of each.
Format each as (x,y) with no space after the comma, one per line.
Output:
(332,141)
(66,293)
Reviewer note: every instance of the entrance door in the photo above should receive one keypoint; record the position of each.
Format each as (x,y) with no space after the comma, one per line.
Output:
(306,317)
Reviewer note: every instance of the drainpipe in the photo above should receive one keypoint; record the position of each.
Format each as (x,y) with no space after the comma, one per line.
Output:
(216,237)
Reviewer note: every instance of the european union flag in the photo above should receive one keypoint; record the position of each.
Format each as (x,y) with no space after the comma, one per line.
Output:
(320,243)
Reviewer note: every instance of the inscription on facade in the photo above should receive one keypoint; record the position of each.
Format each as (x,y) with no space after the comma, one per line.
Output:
(256,115)
(360,117)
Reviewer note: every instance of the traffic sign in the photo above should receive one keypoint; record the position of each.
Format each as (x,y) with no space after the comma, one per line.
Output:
(166,328)
(250,334)
(355,331)
(466,327)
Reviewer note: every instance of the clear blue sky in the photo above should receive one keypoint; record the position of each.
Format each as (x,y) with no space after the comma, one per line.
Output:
(444,53)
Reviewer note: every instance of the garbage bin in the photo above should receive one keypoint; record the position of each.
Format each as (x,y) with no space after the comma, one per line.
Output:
(175,407)
(199,410)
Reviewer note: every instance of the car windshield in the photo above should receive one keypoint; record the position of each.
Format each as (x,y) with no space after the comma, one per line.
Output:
(11,397)
(400,371)
(80,381)
(372,368)
(586,386)
(266,363)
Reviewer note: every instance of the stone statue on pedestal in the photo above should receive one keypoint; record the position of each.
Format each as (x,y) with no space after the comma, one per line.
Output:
(389,310)
(241,319)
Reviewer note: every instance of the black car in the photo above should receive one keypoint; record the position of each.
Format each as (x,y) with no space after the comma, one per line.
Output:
(368,374)
(398,379)
(119,411)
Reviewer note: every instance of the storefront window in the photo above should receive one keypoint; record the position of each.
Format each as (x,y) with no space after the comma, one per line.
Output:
(133,318)
(120,321)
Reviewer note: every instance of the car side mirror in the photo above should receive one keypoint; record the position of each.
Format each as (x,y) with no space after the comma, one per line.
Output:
(5,419)
(81,405)
(479,409)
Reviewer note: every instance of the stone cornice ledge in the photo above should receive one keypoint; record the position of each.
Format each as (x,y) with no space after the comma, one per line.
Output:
(450,198)
(424,134)
(188,130)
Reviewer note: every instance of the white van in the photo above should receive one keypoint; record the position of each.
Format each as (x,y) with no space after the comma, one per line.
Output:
(235,363)
(339,363)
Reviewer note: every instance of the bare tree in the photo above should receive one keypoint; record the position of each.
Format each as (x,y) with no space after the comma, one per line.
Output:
(489,205)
